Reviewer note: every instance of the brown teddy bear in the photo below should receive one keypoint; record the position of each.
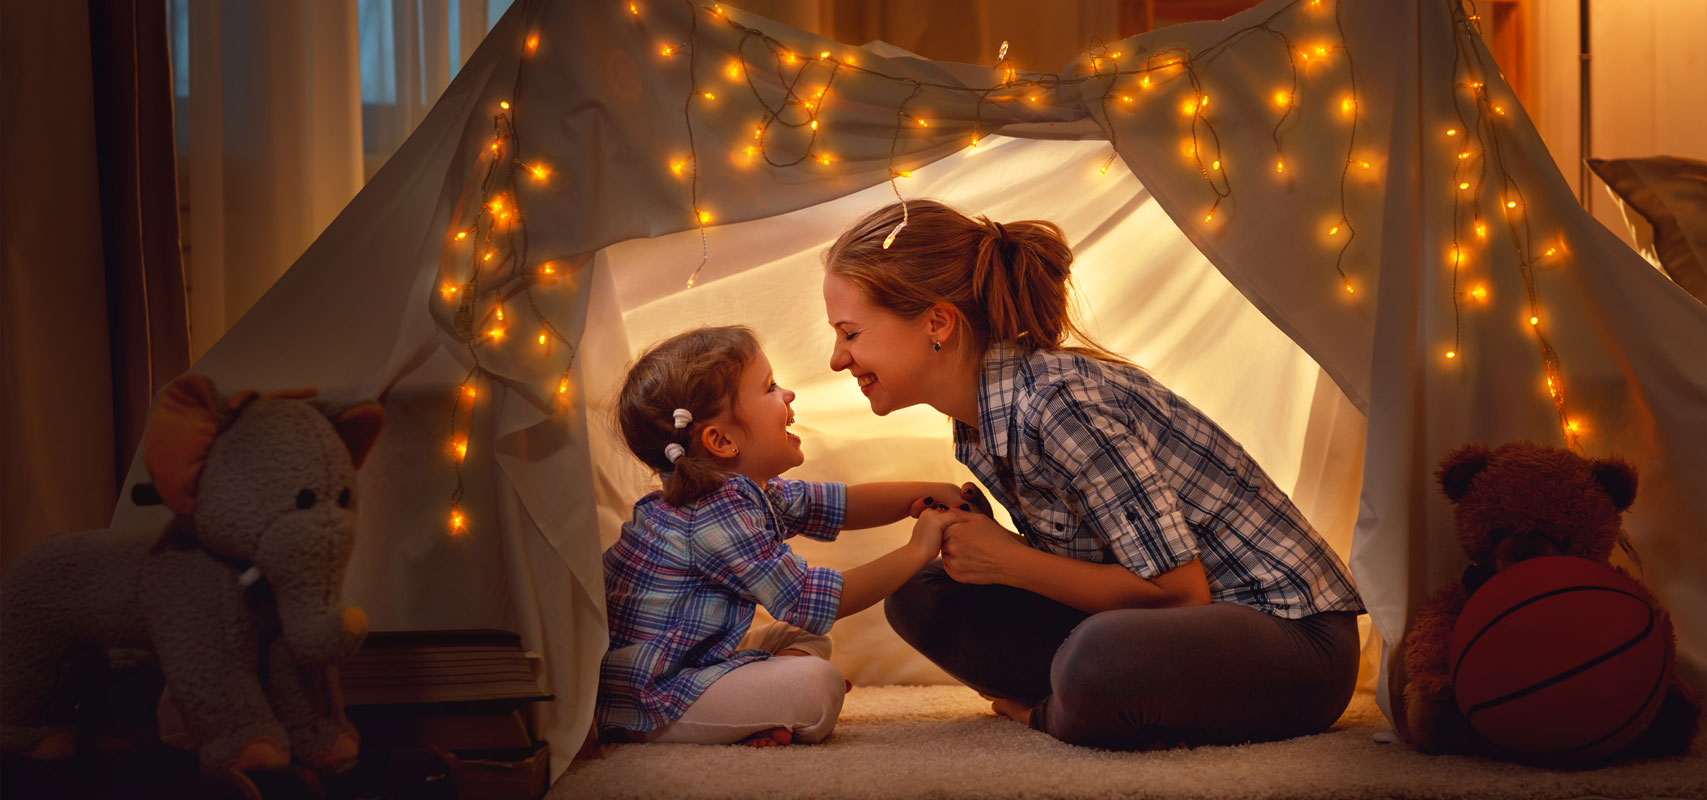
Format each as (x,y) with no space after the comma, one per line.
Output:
(238,596)
(1519,501)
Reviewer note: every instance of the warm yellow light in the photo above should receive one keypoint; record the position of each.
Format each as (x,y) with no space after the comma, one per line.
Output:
(1216,166)
(500,312)
(489,255)
(1499,109)
(563,386)
(542,337)
(1104,169)
(1279,165)
(1463,185)
(824,159)
(1144,81)
(1334,231)
(1032,98)
(1464,155)
(539,172)
(496,334)
(825,54)
(1209,217)
(1321,50)
(461,450)
(1537,321)
(1363,164)
(455,521)
(1511,204)
(494,146)
(504,104)
(1189,149)
(447,290)
(789,58)
(1115,54)
(904,173)
(547,269)
(1451,131)
(460,235)
(1346,105)
(533,43)
(1550,251)
(667,50)
(633,9)
(676,166)
(753,150)
(1451,354)
(1481,231)
(1573,426)
(1457,255)
(734,72)
(974,141)
(1480,292)
(1189,107)
(704,217)
(468,392)
(1349,290)
(922,123)
(708,95)
(1282,98)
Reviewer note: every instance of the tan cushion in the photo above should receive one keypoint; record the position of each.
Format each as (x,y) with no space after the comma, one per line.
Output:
(1669,196)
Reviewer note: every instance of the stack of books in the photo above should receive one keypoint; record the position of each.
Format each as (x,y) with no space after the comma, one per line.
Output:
(466,693)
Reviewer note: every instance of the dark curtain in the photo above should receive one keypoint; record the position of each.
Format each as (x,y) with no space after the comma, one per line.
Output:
(92,303)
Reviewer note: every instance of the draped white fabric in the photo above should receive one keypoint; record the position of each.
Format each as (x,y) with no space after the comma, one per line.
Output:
(1242,315)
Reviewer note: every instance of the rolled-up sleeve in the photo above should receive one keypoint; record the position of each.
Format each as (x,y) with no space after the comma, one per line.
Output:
(1106,466)
(739,553)
(813,509)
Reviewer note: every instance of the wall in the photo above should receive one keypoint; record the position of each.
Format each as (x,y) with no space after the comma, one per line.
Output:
(1648,89)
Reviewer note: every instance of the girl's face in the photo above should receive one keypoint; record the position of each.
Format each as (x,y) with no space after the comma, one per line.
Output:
(761,420)
(890,357)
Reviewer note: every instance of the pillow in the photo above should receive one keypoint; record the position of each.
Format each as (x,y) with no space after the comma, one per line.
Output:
(1669,195)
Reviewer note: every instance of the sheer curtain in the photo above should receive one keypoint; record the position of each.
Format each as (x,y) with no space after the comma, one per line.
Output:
(284,111)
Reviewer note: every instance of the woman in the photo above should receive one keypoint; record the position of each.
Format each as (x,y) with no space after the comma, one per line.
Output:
(1161,589)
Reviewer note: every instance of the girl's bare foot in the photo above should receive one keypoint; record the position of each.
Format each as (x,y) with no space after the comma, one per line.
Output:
(775,737)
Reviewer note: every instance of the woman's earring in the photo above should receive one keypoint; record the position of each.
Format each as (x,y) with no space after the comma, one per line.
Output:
(937,346)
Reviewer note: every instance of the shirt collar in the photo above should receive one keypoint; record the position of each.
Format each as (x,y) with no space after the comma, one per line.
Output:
(998,379)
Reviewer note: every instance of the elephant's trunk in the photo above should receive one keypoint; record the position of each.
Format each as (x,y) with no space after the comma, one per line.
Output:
(307,585)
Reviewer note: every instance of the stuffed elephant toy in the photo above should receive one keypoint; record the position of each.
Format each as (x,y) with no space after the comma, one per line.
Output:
(238,596)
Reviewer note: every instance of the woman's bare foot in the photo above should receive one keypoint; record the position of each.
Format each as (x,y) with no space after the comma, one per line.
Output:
(1012,709)
(775,737)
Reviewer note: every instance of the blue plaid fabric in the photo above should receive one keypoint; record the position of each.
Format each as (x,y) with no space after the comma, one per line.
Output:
(681,584)
(1098,462)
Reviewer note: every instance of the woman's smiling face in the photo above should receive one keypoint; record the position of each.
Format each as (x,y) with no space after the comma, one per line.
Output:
(890,357)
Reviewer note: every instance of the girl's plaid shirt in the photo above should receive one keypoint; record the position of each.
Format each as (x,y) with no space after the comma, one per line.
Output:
(681,584)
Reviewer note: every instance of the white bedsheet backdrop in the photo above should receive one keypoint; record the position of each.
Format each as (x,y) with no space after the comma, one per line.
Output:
(1142,289)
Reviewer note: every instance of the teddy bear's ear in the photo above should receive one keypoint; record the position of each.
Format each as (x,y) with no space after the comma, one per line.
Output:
(1460,468)
(1618,478)
(180,432)
(359,427)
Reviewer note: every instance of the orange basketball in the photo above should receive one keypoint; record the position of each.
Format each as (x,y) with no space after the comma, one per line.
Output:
(1559,659)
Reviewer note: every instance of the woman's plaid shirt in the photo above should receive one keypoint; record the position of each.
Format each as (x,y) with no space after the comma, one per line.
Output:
(681,583)
(1098,462)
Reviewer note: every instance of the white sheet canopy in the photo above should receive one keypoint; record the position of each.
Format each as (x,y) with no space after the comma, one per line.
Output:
(1222,272)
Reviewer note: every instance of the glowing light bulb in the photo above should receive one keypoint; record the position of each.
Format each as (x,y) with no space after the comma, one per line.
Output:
(1347,105)
(1462,185)
(461,450)
(500,312)
(789,58)
(460,235)
(708,95)
(548,269)
(1463,155)
(974,141)
(1537,321)
(504,104)
(903,173)
(667,51)
(824,159)
(825,54)
(1349,290)
(734,72)
(563,386)
(1550,252)
(496,334)
(1334,231)
(1282,98)
(455,521)
(1209,217)
(542,337)
(1573,426)
(1144,81)
(1279,166)
(539,172)
(1451,131)
(447,290)
(1321,51)
(1499,109)
(1481,230)
(1451,354)
(704,217)
(533,43)
(1216,166)
(468,392)
(1511,204)
(1480,292)
(634,9)
(676,166)
(489,255)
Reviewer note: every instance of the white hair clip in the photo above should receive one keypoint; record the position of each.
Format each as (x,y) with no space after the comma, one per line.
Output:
(674,451)
(683,417)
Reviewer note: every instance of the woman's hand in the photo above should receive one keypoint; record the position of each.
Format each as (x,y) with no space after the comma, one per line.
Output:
(977,549)
(947,494)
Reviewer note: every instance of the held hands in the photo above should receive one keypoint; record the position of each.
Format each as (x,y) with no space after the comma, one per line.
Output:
(977,549)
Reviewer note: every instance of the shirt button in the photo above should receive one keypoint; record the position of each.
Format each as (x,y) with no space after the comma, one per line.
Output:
(1060,527)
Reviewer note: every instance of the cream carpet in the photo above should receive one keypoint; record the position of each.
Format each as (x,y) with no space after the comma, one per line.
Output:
(943,741)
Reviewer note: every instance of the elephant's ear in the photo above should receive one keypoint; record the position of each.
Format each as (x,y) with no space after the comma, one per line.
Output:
(359,427)
(185,420)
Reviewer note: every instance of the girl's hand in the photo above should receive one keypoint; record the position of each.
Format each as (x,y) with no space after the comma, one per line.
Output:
(927,532)
(976,549)
(971,494)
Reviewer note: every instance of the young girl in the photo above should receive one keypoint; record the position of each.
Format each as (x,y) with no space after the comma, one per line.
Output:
(686,663)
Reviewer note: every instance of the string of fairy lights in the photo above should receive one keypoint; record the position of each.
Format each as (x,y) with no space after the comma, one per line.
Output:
(497,234)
